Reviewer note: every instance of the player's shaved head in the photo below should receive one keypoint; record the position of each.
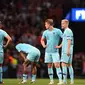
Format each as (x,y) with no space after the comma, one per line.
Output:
(66,21)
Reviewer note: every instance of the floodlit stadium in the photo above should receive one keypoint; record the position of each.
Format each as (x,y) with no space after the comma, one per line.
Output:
(42,42)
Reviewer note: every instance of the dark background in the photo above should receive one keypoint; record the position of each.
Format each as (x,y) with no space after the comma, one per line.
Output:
(24,20)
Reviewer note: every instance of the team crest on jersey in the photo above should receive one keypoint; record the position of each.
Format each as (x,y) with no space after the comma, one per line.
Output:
(54,33)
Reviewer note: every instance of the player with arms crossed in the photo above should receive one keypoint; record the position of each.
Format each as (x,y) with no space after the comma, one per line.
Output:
(67,51)
(52,36)
(3,35)
(33,55)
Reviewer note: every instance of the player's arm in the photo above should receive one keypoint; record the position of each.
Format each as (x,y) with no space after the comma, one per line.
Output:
(43,40)
(59,46)
(69,38)
(43,43)
(60,34)
(8,40)
(22,55)
(68,47)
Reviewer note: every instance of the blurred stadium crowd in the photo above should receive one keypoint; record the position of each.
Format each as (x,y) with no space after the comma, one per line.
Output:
(24,21)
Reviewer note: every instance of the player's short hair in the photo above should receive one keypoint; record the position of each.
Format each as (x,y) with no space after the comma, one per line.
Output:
(66,21)
(50,21)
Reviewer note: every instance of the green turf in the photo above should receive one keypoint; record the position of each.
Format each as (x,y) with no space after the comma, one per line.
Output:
(40,82)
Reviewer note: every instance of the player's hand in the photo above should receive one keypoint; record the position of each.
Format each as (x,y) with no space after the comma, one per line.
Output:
(68,53)
(44,46)
(5,46)
(57,47)
(24,61)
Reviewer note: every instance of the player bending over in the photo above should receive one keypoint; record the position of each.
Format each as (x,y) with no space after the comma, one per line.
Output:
(33,55)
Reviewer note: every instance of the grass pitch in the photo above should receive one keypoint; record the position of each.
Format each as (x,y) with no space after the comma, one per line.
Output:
(40,82)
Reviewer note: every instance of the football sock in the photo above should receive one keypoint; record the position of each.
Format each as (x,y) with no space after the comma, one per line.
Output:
(50,72)
(64,68)
(58,72)
(24,77)
(0,74)
(33,77)
(71,73)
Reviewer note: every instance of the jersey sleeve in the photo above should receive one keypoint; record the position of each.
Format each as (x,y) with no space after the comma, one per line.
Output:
(60,33)
(69,35)
(4,33)
(18,48)
(44,35)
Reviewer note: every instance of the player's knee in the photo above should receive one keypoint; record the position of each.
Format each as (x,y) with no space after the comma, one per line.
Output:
(49,65)
(57,65)
(64,64)
(69,65)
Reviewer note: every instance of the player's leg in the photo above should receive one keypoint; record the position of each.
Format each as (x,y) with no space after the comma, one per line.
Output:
(34,60)
(58,72)
(50,73)
(64,69)
(64,60)
(1,71)
(34,57)
(48,60)
(56,61)
(71,71)
(25,65)
(34,72)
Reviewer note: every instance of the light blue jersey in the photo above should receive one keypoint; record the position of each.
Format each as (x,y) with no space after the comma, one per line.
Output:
(68,34)
(52,39)
(33,52)
(2,35)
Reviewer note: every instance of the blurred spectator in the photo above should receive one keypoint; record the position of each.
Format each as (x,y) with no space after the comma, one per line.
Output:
(78,64)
